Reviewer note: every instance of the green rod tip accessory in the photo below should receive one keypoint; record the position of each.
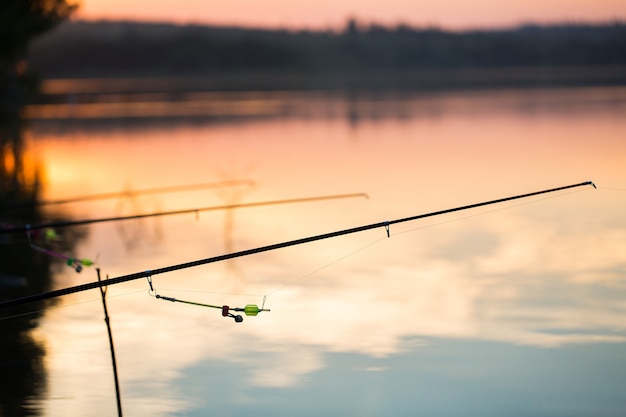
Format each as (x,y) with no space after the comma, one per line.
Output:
(251,310)
(86,262)
(51,234)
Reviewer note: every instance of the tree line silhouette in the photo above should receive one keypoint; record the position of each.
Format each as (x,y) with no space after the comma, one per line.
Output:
(115,49)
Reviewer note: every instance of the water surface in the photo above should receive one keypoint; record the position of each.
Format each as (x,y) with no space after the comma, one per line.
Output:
(514,309)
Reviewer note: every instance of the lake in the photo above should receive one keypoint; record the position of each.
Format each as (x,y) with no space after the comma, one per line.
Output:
(509,309)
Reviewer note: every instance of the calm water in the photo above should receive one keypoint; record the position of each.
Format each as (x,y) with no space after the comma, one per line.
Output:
(516,309)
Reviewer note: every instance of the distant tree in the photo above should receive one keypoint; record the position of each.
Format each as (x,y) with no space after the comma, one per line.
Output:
(352,27)
(20,22)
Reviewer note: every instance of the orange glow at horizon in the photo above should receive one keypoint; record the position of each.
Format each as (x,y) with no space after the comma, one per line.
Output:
(326,14)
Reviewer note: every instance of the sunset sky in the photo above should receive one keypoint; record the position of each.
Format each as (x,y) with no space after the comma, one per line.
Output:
(323,14)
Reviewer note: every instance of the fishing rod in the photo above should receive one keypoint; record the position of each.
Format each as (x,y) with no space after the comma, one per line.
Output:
(55,225)
(385,224)
(129,193)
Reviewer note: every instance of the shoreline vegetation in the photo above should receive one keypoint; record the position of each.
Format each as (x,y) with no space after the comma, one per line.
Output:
(87,58)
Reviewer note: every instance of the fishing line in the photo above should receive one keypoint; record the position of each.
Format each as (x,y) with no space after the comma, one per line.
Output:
(612,188)
(73,304)
(45,310)
(349,254)
(51,307)
(487,212)
(236,294)
(28,313)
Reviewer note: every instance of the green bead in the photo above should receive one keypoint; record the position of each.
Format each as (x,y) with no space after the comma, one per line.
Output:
(51,234)
(251,310)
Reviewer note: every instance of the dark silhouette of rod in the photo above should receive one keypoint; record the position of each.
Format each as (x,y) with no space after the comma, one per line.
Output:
(55,225)
(131,193)
(103,293)
(149,273)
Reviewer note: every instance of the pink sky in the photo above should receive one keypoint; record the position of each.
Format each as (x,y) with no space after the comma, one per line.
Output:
(320,14)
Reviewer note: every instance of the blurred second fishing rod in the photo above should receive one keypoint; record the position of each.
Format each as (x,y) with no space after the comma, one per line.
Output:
(54,225)
(129,193)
